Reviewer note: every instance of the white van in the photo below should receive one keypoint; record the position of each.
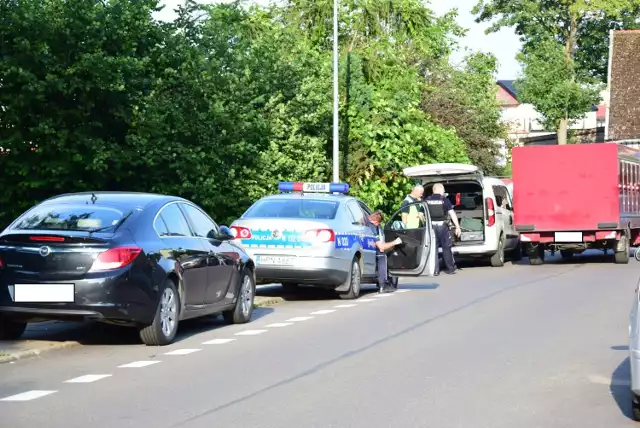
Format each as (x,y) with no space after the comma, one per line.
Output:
(484,208)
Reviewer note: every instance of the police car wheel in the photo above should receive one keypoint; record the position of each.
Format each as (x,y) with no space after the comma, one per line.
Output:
(355,281)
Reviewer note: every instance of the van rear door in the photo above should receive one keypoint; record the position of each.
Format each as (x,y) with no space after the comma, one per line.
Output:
(443,172)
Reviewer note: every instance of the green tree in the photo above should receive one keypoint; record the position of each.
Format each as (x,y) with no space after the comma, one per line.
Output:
(548,83)
(464,99)
(566,23)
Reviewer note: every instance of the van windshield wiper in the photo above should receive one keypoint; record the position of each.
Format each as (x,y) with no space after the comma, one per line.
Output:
(116,226)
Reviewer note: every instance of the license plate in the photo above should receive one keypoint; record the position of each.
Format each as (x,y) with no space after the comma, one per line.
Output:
(568,237)
(43,293)
(275,260)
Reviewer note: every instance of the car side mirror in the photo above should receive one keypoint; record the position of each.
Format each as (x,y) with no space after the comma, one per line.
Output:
(224,234)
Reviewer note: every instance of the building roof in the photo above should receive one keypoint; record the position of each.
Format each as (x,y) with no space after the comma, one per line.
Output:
(509,86)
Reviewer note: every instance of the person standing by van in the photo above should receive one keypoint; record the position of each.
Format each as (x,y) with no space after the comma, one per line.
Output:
(411,217)
(439,209)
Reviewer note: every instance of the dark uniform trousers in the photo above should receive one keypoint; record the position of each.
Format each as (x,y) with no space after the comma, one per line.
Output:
(445,241)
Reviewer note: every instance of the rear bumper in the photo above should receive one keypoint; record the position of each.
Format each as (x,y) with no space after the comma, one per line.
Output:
(307,270)
(118,298)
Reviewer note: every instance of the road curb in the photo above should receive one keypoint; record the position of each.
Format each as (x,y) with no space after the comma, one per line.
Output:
(29,353)
(267,301)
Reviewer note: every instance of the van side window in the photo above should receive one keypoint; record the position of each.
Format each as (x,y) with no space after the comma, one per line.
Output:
(502,196)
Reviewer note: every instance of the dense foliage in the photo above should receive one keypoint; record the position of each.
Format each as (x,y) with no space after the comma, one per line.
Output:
(565,50)
(227,100)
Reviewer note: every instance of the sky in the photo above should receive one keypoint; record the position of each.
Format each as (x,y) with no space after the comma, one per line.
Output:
(504,44)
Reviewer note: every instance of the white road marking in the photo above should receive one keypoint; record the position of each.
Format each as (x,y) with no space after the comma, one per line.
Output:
(323,312)
(280,324)
(344,306)
(217,341)
(404,290)
(27,396)
(250,332)
(367,300)
(88,378)
(137,364)
(182,351)
(384,295)
(296,319)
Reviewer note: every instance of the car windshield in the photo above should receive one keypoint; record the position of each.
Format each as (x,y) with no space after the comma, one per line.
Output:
(293,208)
(70,217)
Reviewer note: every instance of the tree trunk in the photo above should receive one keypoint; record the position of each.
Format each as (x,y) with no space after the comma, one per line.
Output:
(569,52)
(563,126)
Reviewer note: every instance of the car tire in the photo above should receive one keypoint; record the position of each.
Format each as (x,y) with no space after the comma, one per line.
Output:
(635,407)
(622,257)
(536,256)
(243,309)
(355,281)
(164,327)
(636,254)
(497,260)
(11,329)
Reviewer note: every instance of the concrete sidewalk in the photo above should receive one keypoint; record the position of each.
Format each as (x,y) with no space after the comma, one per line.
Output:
(52,335)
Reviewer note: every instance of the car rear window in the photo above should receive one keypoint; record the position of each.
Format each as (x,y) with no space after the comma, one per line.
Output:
(69,217)
(293,208)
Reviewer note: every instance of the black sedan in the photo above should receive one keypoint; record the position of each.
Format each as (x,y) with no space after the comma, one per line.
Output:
(136,259)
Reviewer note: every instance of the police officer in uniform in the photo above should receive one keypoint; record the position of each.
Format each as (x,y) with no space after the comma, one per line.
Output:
(439,209)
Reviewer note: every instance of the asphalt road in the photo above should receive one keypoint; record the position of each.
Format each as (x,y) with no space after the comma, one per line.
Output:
(524,346)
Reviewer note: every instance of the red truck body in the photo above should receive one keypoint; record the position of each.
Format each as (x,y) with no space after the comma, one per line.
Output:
(573,197)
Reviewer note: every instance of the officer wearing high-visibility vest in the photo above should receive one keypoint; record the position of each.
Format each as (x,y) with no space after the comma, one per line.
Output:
(439,209)
(412,218)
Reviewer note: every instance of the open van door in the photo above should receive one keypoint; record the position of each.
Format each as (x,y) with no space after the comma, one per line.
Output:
(417,255)
(443,171)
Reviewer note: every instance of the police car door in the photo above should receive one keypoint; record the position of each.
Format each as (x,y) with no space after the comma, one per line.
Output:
(417,255)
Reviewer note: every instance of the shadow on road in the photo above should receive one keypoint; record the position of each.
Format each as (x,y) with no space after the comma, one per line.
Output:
(92,333)
(588,257)
(619,387)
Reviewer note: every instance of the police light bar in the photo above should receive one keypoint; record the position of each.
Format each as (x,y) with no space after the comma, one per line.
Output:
(288,186)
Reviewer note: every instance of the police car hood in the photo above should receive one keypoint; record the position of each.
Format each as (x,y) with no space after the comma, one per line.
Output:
(284,235)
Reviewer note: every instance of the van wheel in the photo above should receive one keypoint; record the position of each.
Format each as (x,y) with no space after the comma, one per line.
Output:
(11,329)
(497,260)
(164,327)
(355,280)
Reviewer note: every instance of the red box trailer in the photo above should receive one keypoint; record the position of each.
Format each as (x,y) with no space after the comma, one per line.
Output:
(575,197)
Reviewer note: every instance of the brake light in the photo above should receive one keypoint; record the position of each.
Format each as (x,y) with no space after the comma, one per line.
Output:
(115,258)
(1,263)
(458,198)
(320,236)
(491,212)
(240,232)
(47,238)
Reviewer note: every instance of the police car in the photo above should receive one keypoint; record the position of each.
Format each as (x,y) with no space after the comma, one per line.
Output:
(316,234)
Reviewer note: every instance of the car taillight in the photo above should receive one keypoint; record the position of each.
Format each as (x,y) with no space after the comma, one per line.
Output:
(491,212)
(458,198)
(1,263)
(115,258)
(239,232)
(47,238)
(320,235)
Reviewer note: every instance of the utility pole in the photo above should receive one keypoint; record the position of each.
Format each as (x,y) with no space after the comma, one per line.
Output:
(336,145)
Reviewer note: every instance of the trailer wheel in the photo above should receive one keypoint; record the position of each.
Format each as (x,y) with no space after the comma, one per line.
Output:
(622,257)
(536,256)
